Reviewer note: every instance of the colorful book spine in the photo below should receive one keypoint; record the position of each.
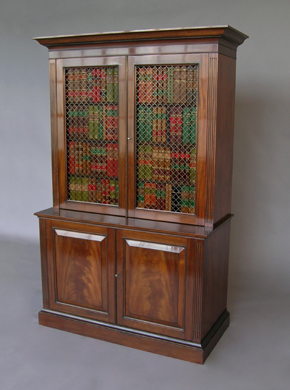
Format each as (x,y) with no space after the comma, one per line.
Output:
(110,85)
(99,192)
(72,188)
(161,196)
(186,125)
(192,165)
(167,164)
(92,189)
(164,85)
(111,122)
(175,125)
(191,202)
(191,78)
(145,163)
(145,123)
(170,84)
(176,84)
(154,85)
(141,195)
(78,188)
(160,164)
(76,85)
(105,191)
(86,159)
(155,123)
(155,163)
(168,197)
(112,160)
(184,205)
(116,85)
(71,157)
(89,84)
(113,192)
(91,123)
(145,85)
(85,189)
(83,85)
(193,118)
(182,85)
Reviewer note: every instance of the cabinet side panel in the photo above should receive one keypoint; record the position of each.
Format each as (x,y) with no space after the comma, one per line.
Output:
(198,246)
(215,270)
(211,139)
(224,138)
(54,137)
(44,269)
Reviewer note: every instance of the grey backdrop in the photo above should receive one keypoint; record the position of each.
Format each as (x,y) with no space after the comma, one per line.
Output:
(260,242)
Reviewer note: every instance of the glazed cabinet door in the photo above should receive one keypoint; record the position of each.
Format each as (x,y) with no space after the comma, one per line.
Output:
(167,125)
(80,270)
(89,134)
(154,283)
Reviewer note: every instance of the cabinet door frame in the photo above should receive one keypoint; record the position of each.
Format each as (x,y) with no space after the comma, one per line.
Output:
(59,135)
(106,239)
(183,328)
(202,123)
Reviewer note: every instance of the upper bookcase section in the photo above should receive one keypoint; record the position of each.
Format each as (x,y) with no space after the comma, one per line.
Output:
(225,35)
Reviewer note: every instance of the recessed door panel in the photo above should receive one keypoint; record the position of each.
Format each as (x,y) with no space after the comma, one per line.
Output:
(82,275)
(152,283)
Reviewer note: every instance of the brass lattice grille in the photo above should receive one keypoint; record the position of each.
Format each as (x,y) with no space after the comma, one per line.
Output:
(166,117)
(92,134)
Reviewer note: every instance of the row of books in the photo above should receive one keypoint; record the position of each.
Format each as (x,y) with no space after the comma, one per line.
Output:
(167,84)
(97,85)
(87,159)
(167,124)
(95,122)
(156,196)
(85,189)
(163,164)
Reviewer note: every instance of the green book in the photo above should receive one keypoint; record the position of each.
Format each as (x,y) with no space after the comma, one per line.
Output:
(193,118)
(115,85)
(110,85)
(101,122)
(186,125)
(149,124)
(145,123)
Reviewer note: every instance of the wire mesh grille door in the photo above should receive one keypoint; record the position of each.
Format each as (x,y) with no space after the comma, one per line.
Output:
(92,134)
(166,120)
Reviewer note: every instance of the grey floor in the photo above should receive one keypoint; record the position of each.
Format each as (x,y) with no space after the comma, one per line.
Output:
(254,353)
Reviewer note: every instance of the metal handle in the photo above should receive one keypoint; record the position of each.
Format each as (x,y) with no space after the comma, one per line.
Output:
(129,138)
(117,275)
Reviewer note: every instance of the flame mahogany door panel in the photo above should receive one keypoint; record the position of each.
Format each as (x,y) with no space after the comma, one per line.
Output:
(154,283)
(81,270)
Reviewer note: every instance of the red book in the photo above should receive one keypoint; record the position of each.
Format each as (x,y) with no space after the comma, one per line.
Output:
(96,94)
(71,157)
(112,160)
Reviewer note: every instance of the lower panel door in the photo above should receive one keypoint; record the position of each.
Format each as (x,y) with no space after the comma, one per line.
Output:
(154,283)
(81,270)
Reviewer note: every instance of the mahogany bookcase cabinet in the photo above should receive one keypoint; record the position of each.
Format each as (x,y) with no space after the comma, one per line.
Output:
(135,248)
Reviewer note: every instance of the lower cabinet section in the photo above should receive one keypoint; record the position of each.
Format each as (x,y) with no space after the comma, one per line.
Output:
(140,289)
